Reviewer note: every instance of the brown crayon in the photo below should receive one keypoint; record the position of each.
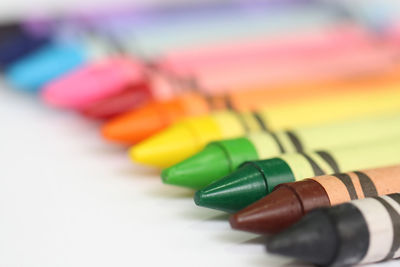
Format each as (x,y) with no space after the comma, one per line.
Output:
(289,202)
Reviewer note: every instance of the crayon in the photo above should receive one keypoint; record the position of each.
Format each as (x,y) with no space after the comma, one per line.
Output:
(165,74)
(154,116)
(149,119)
(189,136)
(132,97)
(109,72)
(220,158)
(254,180)
(43,66)
(359,232)
(289,202)
(16,41)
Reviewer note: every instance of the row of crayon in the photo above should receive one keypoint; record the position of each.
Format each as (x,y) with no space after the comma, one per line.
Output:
(244,114)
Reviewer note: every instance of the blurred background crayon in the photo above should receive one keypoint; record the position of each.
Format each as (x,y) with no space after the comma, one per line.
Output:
(289,202)
(17,40)
(344,235)
(254,180)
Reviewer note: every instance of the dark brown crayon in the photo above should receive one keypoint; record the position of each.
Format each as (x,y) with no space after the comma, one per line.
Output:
(289,202)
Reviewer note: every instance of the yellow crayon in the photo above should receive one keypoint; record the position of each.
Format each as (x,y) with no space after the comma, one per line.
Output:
(189,136)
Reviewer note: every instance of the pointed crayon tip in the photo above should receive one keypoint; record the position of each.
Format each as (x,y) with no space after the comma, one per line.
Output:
(270,214)
(149,119)
(166,175)
(199,170)
(17,42)
(215,161)
(113,106)
(134,126)
(198,198)
(284,206)
(167,147)
(233,192)
(307,240)
(235,222)
(129,129)
(249,183)
(31,73)
(93,82)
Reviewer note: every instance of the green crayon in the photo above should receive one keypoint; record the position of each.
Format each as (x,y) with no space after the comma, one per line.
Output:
(255,179)
(220,158)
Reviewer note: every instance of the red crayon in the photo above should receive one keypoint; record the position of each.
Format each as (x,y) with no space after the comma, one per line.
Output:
(130,98)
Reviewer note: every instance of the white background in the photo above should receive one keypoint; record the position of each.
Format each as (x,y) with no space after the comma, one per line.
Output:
(67,198)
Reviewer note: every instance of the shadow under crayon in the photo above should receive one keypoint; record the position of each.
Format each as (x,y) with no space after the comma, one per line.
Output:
(111,149)
(259,240)
(164,191)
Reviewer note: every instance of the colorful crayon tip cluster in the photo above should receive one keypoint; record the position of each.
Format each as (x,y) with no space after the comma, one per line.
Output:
(285,114)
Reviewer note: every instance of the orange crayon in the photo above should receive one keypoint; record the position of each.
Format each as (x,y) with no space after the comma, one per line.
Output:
(138,124)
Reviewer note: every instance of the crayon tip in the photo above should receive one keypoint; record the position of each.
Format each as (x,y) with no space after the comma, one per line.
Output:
(199,170)
(141,123)
(175,143)
(307,240)
(163,149)
(32,72)
(215,161)
(233,192)
(270,214)
(17,44)
(94,82)
(284,206)
(198,198)
(113,106)
(134,126)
